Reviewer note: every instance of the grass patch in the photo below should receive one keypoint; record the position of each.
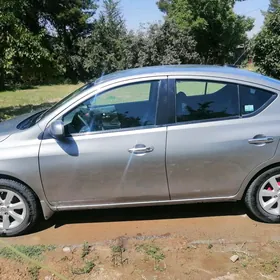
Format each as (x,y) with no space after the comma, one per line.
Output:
(15,103)
(33,252)
(34,272)
(117,249)
(271,266)
(87,268)
(117,255)
(37,95)
(85,250)
(153,252)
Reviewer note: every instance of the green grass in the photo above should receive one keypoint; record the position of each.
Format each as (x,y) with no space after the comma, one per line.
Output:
(36,96)
(152,251)
(117,255)
(117,249)
(85,250)
(271,266)
(87,268)
(33,252)
(34,272)
(14,103)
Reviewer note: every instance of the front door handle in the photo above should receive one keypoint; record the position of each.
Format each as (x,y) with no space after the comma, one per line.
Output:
(261,140)
(141,149)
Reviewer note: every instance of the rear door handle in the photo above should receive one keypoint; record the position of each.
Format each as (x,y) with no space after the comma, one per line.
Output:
(140,149)
(261,140)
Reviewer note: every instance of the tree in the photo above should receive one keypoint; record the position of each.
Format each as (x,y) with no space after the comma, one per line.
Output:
(273,5)
(39,39)
(164,5)
(212,23)
(104,49)
(266,45)
(23,57)
(161,44)
(69,22)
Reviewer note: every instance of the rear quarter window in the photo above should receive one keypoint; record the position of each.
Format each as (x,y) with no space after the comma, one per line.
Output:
(253,99)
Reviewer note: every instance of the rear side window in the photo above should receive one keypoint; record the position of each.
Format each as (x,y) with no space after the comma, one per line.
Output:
(202,100)
(252,99)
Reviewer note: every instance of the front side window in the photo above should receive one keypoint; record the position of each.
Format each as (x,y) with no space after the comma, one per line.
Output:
(128,106)
(252,99)
(202,100)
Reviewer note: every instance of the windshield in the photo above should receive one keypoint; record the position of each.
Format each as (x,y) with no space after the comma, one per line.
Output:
(65,100)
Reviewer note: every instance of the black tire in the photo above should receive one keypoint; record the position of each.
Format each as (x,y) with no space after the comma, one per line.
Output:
(32,207)
(251,197)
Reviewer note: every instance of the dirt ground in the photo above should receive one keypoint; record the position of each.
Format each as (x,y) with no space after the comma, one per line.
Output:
(174,242)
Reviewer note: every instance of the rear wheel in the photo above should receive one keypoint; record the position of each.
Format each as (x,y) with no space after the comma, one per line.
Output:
(263,196)
(18,208)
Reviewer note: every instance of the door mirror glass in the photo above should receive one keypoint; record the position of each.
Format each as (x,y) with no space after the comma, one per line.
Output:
(56,129)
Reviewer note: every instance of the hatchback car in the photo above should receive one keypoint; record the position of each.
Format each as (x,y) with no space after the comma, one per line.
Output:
(147,136)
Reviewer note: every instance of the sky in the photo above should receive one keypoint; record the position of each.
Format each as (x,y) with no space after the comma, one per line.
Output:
(143,11)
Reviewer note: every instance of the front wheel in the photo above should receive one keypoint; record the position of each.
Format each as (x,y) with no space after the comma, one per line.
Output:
(18,208)
(263,196)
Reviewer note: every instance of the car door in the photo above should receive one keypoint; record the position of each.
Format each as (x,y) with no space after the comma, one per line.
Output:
(113,151)
(219,134)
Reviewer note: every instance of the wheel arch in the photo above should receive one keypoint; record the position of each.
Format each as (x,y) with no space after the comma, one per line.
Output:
(44,207)
(256,175)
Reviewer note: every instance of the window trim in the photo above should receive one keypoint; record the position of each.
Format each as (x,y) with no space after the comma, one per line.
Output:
(80,134)
(162,89)
(171,107)
(162,112)
(172,97)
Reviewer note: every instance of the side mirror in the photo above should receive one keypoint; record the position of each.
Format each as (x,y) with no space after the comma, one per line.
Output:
(56,129)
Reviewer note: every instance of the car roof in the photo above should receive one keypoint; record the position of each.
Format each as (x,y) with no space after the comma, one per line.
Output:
(192,70)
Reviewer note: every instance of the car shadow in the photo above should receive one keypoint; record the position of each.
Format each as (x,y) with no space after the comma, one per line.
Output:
(185,211)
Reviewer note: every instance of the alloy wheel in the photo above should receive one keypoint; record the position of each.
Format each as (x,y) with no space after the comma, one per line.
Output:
(12,210)
(269,195)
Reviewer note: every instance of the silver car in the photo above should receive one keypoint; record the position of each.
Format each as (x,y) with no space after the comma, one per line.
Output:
(147,136)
